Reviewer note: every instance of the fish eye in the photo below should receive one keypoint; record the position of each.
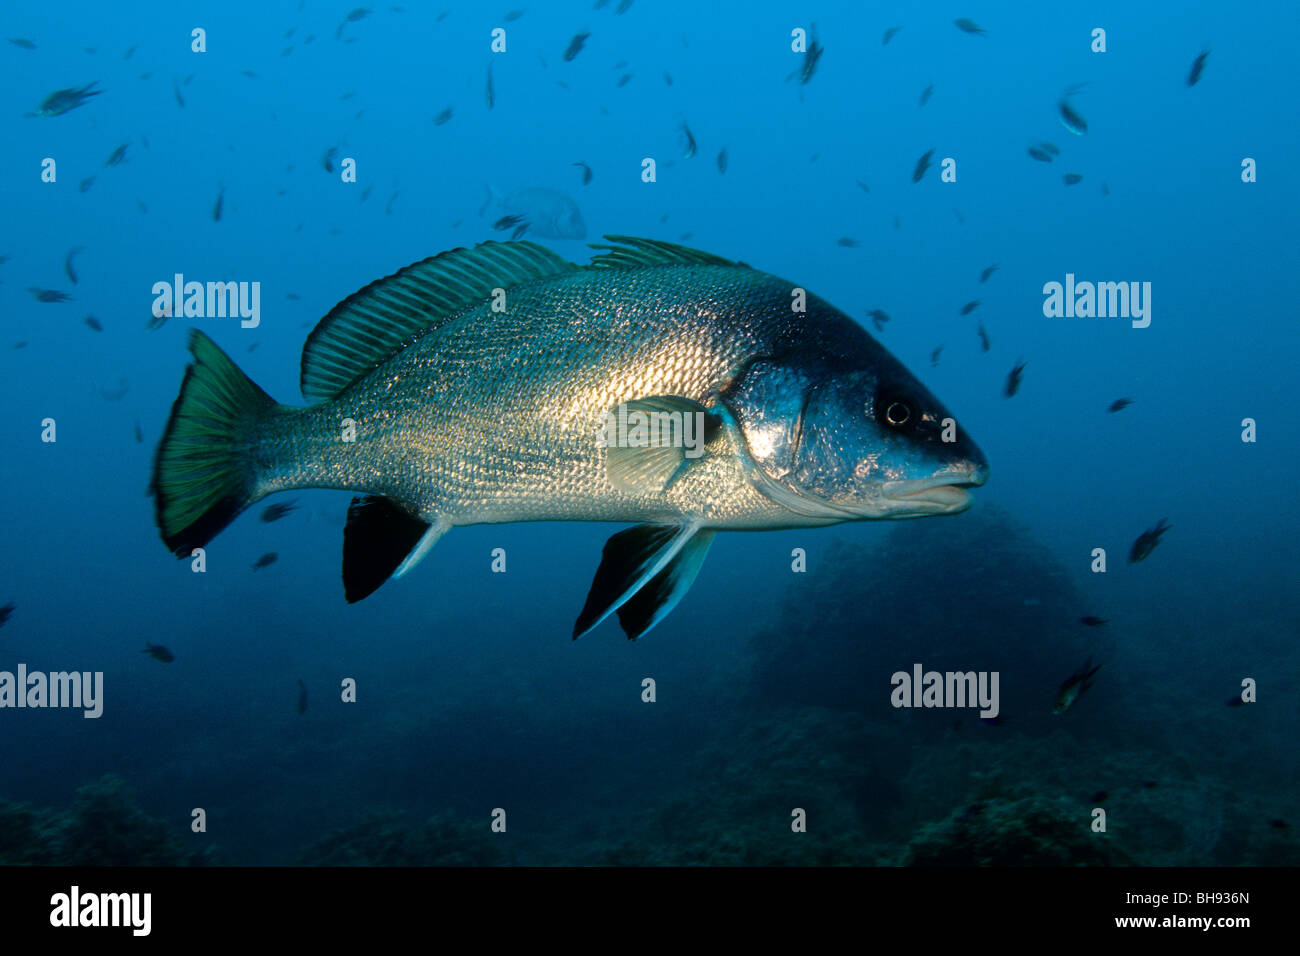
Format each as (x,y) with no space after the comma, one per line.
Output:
(896,413)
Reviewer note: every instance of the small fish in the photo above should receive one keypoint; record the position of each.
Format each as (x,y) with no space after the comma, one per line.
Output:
(1105,188)
(216,209)
(139,433)
(442,117)
(302,697)
(922,165)
(67,263)
(250,74)
(48,295)
(863,186)
(491,97)
(1120,404)
(116,156)
(623,80)
(1013,379)
(507,222)
(848,242)
(934,356)
(158,319)
(65,101)
(27,44)
(328,159)
(878,318)
(586,172)
(1092,621)
(266,560)
(668,79)
(158,652)
(1071,179)
(810,58)
(176,91)
(970,307)
(690,141)
(575,46)
(1147,541)
(1049,148)
(1074,686)
(1041,155)
(1197,66)
(86,183)
(93,323)
(623,6)
(277,511)
(512,15)
(1236,701)
(926,94)
(1070,118)
(129,50)
(1279,824)
(984,337)
(967,25)
(1098,797)
(358,13)
(1149,784)
(889,35)
(7,612)
(519,231)
(988,273)
(388,206)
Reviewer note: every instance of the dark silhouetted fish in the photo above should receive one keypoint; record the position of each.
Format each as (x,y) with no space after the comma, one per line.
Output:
(722,160)
(1120,404)
(575,46)
(65,101)
(158,652)
(548,212)
(848,242)
(889,35)
(922,165)
(863,186)
(1071,119)
(459,423)
(22,43)
(970,307)
(967,25)
(86,183)
(810,58)
(302,697)
(1092,621)
(1147,541)
(1013,379)
(67,263)
(216,208)
(878,318)
(1071,179)
(586,172)
(988,273)
(491,97)
(116,156)
(1074,687)
(690,140)
(1041,155)
(1197,66)
(48,295)
(984,337)
(1098,797)
(275,512)
(442,117)
(7,612)
(93,323)
(926,94)
(934,356)
(265,561)
(328,159)
(139,433)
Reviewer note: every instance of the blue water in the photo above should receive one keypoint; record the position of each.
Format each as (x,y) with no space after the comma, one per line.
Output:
(471,695)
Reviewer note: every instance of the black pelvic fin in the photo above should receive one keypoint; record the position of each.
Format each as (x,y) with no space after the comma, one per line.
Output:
(631,560)
(376,541)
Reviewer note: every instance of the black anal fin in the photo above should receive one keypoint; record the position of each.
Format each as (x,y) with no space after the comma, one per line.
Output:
(664,591)
(377,540)
(632,559)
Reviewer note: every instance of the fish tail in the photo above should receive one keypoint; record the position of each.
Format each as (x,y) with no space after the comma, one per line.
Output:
(203,474)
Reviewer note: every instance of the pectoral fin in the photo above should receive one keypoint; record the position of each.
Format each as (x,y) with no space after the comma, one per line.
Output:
(643,573)
(649,441)
(380,541)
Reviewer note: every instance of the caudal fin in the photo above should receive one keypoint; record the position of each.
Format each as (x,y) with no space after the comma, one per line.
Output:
(203,475)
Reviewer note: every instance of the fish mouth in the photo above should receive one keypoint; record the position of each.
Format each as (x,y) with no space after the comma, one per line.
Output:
(940,495)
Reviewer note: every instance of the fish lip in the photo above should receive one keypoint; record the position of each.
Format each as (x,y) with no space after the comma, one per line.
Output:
(941,494)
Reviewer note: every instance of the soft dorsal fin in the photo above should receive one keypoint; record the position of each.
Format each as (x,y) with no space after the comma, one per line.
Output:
(369,326)
(631,253)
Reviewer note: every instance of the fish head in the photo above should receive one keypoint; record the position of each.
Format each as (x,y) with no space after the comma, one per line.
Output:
(838,429)
(568,222)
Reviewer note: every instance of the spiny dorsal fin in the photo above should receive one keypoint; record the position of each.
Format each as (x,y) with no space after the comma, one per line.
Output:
(369,326)
(631,253)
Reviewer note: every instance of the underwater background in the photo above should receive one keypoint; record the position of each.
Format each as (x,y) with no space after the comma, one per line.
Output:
(772,685)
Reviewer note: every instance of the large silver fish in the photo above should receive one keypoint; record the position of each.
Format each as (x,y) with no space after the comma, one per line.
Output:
(658,385)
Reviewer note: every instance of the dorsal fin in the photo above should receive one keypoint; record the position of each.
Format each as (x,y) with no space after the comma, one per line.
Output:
(369,326)
(631,253)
